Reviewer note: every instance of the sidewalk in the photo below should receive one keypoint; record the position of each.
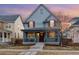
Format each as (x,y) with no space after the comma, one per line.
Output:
(37,52)
(58,52)
(34,49)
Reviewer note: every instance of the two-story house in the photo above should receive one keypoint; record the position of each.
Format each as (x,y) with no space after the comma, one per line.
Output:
(42,26)
(10,27)
(73,31)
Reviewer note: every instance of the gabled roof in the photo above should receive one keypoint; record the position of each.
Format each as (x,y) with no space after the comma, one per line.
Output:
(75,21)
(41,5)
(71,27)
(8,18)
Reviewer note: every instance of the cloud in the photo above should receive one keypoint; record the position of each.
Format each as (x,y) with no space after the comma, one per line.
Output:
(72,10)
(23,12)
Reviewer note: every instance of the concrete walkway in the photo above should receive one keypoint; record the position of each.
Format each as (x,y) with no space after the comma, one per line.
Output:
(34,49)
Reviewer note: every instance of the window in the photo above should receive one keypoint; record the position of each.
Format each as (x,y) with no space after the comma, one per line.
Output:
(31,24)
(31,35)
(18,35)
(5,35)
(15,35)
(6,26)
(51,34)
(8,35)
(0,35)
(9,26)
(51,23)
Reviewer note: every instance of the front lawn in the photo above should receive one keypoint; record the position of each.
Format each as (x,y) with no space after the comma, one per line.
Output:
(15,46)
(57,52)
(10,52)
(61,48)
(13,50)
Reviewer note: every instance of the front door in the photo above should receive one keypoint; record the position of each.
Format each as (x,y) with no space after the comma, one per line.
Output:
(40,36)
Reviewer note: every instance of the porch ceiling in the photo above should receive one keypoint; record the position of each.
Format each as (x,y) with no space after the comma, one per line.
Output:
(39,30)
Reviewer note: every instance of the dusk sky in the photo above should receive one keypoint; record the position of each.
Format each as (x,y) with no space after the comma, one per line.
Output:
(26,9)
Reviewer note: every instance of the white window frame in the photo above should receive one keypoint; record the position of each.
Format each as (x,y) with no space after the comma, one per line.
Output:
(51,23)
(31,24)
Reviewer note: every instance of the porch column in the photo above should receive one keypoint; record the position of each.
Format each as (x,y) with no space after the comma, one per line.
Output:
(7,37)
(45,37)
(24,36)
(3,37)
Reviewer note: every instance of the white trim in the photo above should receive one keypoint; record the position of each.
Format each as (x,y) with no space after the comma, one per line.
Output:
(3,37)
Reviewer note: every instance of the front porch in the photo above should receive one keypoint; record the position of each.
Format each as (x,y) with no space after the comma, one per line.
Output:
(32,36)
(5,36)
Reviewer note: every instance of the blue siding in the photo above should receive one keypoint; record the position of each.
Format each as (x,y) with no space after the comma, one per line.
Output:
(26,39)
(56,39)
(40,15)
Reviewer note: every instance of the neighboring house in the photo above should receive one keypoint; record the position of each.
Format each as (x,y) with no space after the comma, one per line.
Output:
(42,26)
(10,27)
(73,31)
(66,34)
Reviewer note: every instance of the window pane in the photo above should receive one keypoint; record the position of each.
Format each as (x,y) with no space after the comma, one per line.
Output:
(6,26)
(0,35)
(8,35)
(5,35)
(31,35)
(31,24)
(51,34)
(9,26)
(51,23)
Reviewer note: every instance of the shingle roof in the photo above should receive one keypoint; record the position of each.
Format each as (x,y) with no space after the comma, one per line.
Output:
(75,21)
(8,18)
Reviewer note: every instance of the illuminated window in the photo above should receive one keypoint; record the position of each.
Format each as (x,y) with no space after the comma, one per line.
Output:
(0,34)
(51,34)
(31,35)
(31,24)
(51,23)
(38,34)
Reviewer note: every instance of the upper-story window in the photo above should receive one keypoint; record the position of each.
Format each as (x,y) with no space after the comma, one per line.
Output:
(51,23)
(5,35)
(8,26)
(31,24)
